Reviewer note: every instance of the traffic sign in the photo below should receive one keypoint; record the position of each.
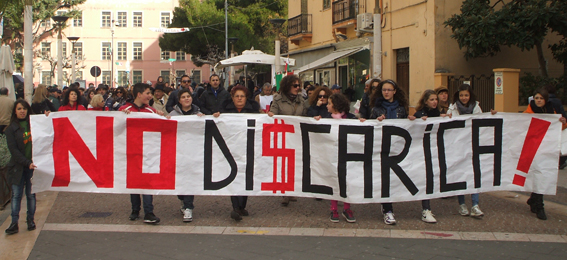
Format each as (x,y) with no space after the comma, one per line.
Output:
(95,71)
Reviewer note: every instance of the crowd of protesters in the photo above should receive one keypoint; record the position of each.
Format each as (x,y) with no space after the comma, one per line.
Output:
(382,100)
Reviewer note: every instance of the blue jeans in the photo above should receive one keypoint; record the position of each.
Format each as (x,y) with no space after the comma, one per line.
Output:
(474,198)
(17,193)
(148,203)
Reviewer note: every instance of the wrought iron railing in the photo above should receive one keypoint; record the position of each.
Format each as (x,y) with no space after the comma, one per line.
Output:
(347,9)
(483,87)
(299,24)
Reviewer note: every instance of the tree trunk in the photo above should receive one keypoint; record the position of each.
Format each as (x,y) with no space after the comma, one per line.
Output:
(541,61)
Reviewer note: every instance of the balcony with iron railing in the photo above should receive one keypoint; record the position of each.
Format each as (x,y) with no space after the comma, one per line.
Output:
(300,28)
(345,12)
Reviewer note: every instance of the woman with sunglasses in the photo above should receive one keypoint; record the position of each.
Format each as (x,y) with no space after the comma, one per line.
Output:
(289,102)
(388,101)
(318,102)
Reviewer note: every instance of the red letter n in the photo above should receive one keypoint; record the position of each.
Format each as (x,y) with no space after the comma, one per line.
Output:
(136,178)
(66,139)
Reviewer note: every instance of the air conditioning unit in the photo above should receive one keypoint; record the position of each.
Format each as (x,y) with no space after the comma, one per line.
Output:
(364,22)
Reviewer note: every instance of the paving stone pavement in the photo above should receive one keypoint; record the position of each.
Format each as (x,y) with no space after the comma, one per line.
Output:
(96,226)
(501,215)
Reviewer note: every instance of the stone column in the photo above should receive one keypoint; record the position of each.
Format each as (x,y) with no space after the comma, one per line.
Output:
(440,79)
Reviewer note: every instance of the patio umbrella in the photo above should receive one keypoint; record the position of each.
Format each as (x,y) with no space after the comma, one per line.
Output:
(254,57)
(6,70)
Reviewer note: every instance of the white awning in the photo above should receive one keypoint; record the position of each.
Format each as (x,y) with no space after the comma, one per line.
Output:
(329,58)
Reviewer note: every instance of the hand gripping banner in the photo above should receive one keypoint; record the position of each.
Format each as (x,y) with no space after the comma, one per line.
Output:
(258,155)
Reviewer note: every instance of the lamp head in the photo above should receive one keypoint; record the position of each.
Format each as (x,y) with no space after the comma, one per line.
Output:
(60,19)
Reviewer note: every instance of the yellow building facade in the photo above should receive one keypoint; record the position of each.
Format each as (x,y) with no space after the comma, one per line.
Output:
(404,40)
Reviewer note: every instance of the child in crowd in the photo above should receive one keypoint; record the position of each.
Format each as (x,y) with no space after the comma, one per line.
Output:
(427,107)
(338,107)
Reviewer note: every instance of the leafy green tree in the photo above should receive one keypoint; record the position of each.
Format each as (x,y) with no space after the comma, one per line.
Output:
(248,20)
(43,10)
(482,27)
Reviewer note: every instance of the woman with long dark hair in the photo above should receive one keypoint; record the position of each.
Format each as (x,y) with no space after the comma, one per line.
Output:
(388,101)
(318,102)
(72,100)
(20,167)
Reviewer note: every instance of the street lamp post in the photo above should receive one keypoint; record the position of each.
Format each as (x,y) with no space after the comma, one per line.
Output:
(277,23)
(73,40)
(60,20)
(232,40)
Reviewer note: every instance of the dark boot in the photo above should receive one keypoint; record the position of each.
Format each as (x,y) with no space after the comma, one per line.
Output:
(234,215)
(31,225)
(13,229)
(540,212)
(531,202)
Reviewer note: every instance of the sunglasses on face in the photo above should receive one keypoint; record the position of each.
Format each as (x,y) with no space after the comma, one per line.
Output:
(185,81)
(322,96)
(296,85)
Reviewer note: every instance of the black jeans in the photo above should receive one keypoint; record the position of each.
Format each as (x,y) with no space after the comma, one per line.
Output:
(187,201)
(239,202)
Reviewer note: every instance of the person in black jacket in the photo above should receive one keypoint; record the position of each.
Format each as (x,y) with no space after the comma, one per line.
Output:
(213,97)
(427,107)
(318,103)
(388,101)
(558,106)
(20,167)
(40,102)
(239,103)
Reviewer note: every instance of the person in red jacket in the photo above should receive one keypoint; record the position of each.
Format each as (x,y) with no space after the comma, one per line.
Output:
(72,101)
(142,96)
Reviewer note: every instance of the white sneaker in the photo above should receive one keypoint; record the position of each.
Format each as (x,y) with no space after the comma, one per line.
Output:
(463,210)
(476,212)
(187,215)
(389,218)
(427,216)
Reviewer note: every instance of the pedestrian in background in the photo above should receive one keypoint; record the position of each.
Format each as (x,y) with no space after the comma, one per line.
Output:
(72,100)
(21,166)
(318,103)
(265,98)
(40,102)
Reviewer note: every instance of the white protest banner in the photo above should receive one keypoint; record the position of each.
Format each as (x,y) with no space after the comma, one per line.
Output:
(237,154)
(170,30)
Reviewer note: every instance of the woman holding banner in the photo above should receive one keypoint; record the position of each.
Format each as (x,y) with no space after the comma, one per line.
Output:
(289,103)
(20,167)
(238,104)
(388,101)
(540,105)
(427,107)
(466,103)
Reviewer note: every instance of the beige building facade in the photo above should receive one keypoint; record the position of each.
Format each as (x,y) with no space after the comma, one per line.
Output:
(404,40)
(117,35)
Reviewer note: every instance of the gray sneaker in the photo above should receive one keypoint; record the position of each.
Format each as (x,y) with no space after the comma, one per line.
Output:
(187,215)
(463,210)
(476,212)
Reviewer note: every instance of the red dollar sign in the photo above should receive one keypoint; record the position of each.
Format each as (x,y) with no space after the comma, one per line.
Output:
(287,155)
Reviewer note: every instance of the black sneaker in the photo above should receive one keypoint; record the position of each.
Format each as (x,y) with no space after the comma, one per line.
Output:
(13,229)
(134,215)
(150,218)
(31,225)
